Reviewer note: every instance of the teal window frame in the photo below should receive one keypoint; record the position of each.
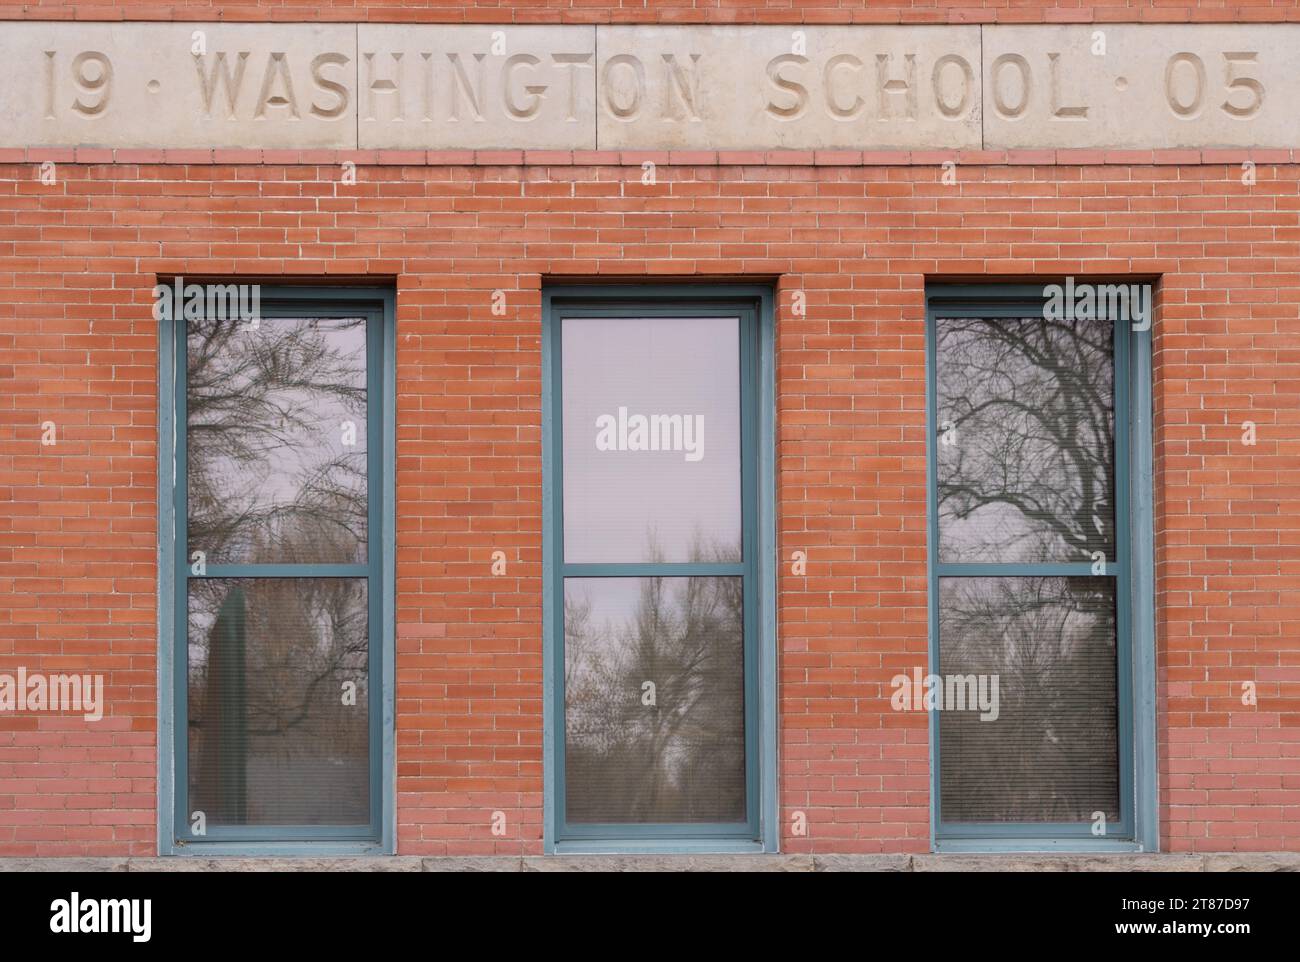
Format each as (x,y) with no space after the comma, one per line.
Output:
(1132,569)
(753,305)
(175,837)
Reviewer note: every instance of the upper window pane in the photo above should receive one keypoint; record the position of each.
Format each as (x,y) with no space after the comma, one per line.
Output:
(651,420)
(276,440)
(1025,438)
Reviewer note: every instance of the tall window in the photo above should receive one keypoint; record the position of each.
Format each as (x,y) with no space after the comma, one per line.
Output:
(654,606)
(280,588)
(1031,564)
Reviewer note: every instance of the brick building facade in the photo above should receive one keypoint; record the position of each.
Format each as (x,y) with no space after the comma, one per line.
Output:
(851,244)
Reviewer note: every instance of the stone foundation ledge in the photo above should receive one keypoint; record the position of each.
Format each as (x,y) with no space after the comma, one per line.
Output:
(1214,862)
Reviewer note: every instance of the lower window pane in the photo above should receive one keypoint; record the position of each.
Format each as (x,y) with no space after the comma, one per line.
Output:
(278,701)
(654,700)
(1051,752)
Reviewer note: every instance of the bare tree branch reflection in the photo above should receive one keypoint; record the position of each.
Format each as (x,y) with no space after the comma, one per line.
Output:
(1052,753)
(1028,474)
(681,759)
(272,738)
(278,725)
(268,470)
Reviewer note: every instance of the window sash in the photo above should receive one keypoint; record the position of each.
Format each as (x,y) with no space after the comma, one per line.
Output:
(612,308)
(372,571)
(1012,303)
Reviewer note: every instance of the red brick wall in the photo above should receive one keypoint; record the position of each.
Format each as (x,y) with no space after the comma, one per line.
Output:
(78,529)
(78,347)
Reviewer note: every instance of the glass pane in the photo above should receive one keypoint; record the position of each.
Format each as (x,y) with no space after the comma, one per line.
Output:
(1049,751)
(651,439)
(276,440)
(278,694)
(654,700)
(1026,427)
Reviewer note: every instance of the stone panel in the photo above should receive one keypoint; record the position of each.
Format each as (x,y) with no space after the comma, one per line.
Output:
(579,87)
(177,85)
(1142,87)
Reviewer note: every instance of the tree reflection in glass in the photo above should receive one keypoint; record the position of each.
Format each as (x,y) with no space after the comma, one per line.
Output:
(673,753)
(1025,420)
(1052,753)
(276,440)
(277,668)
(278,701)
